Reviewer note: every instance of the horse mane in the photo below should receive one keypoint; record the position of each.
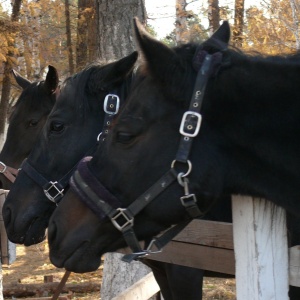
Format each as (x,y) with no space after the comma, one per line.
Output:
(80,83)
(179,74)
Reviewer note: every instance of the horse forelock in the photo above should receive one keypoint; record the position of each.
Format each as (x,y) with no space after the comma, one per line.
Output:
(79,83)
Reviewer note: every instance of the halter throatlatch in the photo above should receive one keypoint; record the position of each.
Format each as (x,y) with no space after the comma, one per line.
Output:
(54,190)
(123,218)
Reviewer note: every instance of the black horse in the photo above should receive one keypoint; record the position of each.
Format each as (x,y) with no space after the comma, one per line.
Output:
(26,120)
(70,132)
(175,161)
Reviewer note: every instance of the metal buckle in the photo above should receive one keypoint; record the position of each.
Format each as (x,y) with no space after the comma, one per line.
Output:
(59,193)
(4,167)
(194,131)
(188,200)
(126,219)
(111,104)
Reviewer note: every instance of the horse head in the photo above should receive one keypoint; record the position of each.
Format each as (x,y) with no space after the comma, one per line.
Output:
(26,120)
(140,151)
(69,133)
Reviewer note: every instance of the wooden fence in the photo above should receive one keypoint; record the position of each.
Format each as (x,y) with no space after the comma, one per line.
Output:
(254,248)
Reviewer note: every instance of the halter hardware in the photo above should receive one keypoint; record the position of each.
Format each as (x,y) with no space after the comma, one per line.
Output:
(190,124)
(9,172)
(111,104)
(127,221)
(2,164)
(53,191)
(188,162)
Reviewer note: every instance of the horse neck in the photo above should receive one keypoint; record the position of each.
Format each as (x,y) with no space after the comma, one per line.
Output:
(260,113)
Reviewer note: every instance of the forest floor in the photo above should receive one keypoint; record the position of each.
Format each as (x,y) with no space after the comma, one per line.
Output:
(33,264)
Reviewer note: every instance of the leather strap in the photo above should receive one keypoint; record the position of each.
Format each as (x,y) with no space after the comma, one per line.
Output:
(9,172)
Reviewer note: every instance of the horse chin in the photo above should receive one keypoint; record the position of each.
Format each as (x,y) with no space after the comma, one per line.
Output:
(36,232)
(83,265)
(34,237)
(81,260)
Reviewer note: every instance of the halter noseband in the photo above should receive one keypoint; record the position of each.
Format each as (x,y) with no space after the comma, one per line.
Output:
(54,190)
(123,218)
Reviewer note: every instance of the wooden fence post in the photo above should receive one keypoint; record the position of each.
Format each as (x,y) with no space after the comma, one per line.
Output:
(8,249)
(261,250)
(119,276)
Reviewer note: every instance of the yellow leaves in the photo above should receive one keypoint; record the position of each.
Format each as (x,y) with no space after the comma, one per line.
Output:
(270,29)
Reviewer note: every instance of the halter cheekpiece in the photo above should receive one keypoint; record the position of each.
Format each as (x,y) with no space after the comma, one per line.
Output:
(91,190)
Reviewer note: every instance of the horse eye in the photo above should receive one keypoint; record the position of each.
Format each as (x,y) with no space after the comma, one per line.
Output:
(124,137)
(33,123)
(57,127)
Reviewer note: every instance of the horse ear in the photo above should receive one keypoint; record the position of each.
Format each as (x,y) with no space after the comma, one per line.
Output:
(118,70)
(220,38)
(126,64)
(156,54)
(52,80)
(21,81)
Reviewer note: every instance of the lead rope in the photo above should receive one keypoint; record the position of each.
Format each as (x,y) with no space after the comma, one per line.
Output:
(61,285)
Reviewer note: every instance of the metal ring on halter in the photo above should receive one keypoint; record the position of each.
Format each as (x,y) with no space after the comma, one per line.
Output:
(98,137)
(189,167)
(4,167)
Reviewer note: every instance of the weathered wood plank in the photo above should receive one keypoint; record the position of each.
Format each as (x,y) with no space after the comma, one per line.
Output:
(8,249)
(261,251)
(197,256)
(294,255)
(207,233)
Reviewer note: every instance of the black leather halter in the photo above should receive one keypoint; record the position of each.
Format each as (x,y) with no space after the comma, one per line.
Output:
(54,190)
(94,194)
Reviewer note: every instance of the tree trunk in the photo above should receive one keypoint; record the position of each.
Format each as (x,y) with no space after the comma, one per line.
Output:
(6,85)
(182,34)
(92,31)
(69,40)
(238,23)
(86,48)
(115,35)
(295,15)
(35,20)
(213,15)
(115,40)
